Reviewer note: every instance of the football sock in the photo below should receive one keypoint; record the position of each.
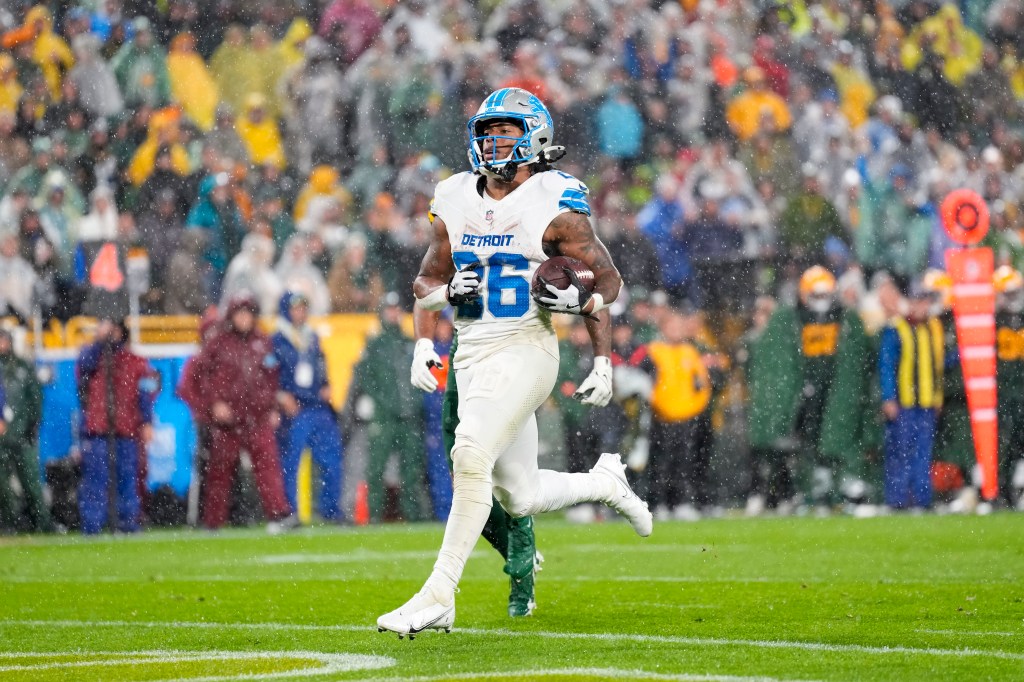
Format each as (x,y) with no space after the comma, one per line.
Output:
(471,505)
(557,490)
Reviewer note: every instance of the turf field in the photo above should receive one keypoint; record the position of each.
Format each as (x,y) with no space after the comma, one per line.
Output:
(894,598)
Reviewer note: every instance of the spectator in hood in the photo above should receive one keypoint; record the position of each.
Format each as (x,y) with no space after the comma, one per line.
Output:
(217,215)
(97,85)
(304,398)
(141,69)
(252,271)
(236,382)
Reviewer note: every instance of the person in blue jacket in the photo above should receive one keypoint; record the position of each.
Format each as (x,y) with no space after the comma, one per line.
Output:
(911,365)
(309,419)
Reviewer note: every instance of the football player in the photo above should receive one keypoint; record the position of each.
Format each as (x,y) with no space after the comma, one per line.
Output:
(512,537)
(492,228)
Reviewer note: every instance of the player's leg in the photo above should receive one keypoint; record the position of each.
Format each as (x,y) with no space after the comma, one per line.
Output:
(496,529)
(522,561)
(496,398)
(524,489)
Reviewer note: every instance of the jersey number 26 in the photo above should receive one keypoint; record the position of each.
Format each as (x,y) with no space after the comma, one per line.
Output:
(497,283)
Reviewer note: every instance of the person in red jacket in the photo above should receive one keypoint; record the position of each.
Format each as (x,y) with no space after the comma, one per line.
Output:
(116,390)
(234,392)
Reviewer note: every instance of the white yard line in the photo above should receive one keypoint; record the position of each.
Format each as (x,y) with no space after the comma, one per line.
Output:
(615,673)
(320,663)
(971,633)
(963,652)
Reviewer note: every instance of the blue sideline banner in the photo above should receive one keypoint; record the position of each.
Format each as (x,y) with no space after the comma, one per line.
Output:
(174,434)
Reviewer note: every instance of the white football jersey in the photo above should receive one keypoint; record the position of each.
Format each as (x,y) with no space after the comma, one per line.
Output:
(505,240)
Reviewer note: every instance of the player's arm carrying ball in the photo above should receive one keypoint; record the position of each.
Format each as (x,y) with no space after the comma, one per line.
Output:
(571,234)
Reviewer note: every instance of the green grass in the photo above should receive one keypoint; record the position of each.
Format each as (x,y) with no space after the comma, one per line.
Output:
(894,598)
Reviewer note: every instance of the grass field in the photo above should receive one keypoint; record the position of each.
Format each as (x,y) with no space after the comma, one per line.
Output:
(893,598)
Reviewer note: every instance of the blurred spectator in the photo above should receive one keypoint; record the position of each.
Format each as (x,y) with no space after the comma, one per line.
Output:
(258,131)
(216,214)
(100,223)
(296,273)
(620,125)
(394,410)
(316,101)
(632,252)
(748,112)
(808,220)
(894,233)
(234,69)
(187,276)
(351,26)
(1009,286)
(354,287)
(251,271)
(661,222)
(18,281)
(304,398)
(97,85)
(141,69)
(236,385)
(678,467)
(22,411)
(191,84)
(117,389)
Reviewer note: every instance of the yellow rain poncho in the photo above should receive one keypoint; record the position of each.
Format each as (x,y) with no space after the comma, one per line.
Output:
(49,50)
(959,47)
(234,69)
(259,132)
(192,86)
(10,88)
(324,181)
(856,94)
(162,131)
(289,49)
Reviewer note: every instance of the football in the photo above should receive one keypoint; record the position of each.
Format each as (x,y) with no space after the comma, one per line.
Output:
(552,271)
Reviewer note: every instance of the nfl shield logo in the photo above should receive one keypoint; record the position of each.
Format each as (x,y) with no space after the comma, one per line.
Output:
(489,216)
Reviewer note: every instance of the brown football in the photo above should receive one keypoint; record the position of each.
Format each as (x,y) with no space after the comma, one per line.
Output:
(552,271)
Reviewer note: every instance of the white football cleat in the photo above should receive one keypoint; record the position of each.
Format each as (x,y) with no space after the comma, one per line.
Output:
(624,501)
(422,612)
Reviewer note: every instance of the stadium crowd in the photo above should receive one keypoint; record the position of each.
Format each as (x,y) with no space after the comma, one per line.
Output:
(270,146)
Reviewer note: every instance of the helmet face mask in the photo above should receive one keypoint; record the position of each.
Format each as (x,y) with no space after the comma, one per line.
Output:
(522,109)
(819,302)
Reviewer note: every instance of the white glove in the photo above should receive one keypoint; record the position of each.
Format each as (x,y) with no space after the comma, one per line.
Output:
(463,286)
(596,389)
(568,300)
(423,358)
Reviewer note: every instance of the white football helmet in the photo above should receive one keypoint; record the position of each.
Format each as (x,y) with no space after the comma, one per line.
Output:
(526,111)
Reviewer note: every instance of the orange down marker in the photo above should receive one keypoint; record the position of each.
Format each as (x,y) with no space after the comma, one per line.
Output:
(965,218)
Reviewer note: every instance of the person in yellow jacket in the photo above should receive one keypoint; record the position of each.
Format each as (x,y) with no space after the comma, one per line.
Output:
(681,419)
(324,181)
(911,366)
(747,111)
(290,49)
(944,34)
(259,132)
(10,88)
(192,85)
(162,132)
(49,51)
